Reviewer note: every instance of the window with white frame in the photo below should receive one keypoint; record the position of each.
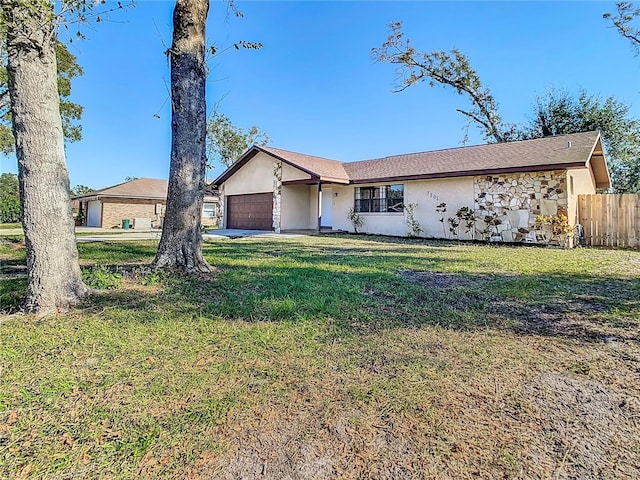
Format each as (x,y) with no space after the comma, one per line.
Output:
(385,198)
(209,210)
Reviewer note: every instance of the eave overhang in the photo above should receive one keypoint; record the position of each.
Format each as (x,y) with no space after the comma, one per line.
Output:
(598,165)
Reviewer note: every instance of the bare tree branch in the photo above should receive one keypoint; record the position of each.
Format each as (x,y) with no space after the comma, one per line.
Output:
(445,69)
(622,21)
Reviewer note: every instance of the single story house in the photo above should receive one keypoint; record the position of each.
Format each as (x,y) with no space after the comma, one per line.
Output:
(505,185)
(141,201)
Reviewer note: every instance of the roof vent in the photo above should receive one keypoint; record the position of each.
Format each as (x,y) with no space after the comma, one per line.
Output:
(568,144)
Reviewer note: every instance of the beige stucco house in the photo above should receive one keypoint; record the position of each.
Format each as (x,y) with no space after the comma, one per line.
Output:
(141,201)
(506,186)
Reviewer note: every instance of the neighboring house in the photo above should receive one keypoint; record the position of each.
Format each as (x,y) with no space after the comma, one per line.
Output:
(506,185)
(141,201)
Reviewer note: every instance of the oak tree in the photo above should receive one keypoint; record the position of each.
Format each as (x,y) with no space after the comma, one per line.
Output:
(180,246)
(81,190)
(555,113)
(558,112)
(54,279)
(9,198)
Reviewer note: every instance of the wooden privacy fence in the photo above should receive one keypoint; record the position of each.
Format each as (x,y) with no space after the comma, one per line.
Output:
(611,220)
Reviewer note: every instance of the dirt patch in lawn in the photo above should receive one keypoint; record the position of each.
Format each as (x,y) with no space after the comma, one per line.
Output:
(545,426)
(437,280)
(594,311)
(591,431)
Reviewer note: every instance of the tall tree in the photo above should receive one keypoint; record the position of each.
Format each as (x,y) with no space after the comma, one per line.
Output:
(54,279)
(226,142)
(446,69)
(181,242)
(623,22)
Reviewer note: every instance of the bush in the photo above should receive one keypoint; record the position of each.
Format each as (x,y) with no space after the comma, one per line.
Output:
(101,278)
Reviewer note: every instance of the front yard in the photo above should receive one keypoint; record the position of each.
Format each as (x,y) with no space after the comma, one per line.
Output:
(329,357)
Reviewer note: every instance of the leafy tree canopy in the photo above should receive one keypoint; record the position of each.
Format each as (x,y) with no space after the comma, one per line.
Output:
(227,142)
(81,190)
(70,112)
(558,112)
(9,198)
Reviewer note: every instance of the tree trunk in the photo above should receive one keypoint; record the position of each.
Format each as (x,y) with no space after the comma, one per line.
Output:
(54,278)
(181,243)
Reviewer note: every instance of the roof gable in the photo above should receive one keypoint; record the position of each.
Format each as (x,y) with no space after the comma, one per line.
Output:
(318,168)
(321,167)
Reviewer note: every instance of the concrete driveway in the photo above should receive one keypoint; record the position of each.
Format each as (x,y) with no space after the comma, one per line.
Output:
(122,235)
(238,233)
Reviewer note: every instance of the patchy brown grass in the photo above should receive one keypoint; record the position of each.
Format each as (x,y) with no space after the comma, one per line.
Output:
(327,358)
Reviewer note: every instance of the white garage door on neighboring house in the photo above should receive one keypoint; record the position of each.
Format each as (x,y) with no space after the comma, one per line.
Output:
(94,214)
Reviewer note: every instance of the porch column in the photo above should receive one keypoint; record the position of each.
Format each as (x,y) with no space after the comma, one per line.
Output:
(319,206)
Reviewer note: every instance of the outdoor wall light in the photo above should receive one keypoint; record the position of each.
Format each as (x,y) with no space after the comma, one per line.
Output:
(335,194)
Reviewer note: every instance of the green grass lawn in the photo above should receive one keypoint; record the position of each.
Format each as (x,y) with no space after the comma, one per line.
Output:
(9,226)
(328,357)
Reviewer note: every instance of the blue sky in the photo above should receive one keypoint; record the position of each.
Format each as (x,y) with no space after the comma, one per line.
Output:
(314,87)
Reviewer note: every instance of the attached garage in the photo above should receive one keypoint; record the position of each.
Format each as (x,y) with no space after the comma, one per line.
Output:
(251,212)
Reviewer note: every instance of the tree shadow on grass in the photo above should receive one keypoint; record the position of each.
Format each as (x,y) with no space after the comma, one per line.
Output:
(573,306)
(357,291)
(580,307)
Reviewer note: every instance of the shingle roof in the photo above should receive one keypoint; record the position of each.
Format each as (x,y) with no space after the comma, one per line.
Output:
(527,154)
(558,152)
(322,167)
(138,188)
(151,188)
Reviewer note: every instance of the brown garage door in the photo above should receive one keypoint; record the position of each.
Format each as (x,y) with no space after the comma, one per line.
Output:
(253,212)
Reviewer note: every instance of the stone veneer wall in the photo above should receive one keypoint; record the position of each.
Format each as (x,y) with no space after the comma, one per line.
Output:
(512,201)
(277,194)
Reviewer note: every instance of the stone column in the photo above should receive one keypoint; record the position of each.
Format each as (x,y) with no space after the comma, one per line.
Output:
(222,223)
(277,194)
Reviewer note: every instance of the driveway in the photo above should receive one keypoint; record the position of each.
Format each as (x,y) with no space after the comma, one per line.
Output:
(121,235)
(238,233)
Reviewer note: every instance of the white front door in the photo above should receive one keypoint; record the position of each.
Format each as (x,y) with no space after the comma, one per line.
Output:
(94,213)
(327,208)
